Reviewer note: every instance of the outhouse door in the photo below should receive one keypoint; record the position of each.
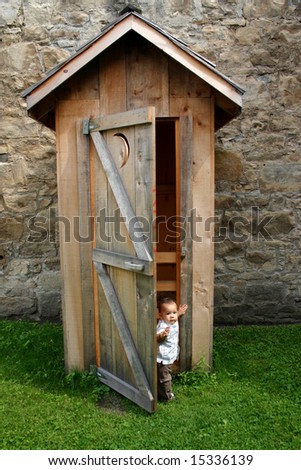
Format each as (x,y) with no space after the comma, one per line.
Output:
(122,168)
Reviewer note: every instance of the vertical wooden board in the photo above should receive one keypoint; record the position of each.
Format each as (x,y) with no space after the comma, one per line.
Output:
(203,201)
(145,208)
(185,90)
(112,79)
(124,281)
(191,96)
(146,76)
(186,162)
(85,236)
(68,114)
(100,203)
(84,85)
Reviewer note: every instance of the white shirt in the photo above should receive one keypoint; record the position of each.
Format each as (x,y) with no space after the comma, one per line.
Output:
(168,349)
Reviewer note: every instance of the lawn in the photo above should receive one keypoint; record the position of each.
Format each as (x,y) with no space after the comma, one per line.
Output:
(251,400)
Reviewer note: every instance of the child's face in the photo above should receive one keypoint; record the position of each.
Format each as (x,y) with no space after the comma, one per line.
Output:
(169,313)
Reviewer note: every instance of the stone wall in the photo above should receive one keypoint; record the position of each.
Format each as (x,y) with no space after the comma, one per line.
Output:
(258,167)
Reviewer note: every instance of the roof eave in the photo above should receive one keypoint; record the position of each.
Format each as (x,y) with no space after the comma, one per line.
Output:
(153,33)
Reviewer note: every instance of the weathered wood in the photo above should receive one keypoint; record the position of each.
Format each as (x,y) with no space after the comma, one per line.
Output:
(124,281)
(119,193)
(112,79)
(145,186)
(85,237)
(166,257)
(146,75)
(178,187)
(125,389)
(129,263)
(168,286)
(68,114)
(186,163)
(203,247)
(202,69)
(124,119)
(124,332)
(134,292)
(205,72)
(78,62)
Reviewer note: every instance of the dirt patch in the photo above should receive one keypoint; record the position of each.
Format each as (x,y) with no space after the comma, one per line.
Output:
(112,403)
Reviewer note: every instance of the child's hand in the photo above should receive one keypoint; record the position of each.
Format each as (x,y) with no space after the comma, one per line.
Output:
(166,331)
(182,309)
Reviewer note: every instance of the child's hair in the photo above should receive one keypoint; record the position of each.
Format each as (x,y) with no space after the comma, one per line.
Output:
(165,300)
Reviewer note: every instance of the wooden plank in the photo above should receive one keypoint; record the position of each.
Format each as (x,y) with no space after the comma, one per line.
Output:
(119,193)
(85,236)
(129,263)
(125,389)
(186,163)
(186,90)
(92,158)
(205,72)
(179,182)
(124,119)
(203,249)
(78,62)
(68,114)
(166,286)
(146,76)
(124,332)
(103,318)
(112,79)
(145,187)
(165,257)
(124,281)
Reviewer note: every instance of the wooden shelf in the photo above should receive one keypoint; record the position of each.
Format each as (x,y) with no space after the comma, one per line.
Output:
(166,286)
(164,257)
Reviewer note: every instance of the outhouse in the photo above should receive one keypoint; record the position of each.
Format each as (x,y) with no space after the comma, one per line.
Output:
(134,111)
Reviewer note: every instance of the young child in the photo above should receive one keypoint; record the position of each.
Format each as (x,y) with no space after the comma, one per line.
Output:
(168,347)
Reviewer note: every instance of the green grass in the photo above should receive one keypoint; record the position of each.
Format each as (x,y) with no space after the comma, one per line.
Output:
(251,400)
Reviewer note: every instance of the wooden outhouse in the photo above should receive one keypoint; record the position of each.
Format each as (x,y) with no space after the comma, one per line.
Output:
(135,111)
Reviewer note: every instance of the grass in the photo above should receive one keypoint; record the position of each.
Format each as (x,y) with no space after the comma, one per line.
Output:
(251,400)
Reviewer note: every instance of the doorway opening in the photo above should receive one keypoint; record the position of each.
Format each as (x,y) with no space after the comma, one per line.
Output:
(168,255)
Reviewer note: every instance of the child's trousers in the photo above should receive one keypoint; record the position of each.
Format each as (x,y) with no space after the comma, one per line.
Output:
(164,381)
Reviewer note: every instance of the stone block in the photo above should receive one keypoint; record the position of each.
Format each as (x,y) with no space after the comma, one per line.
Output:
(234,315)
(228,165)
(50,281)
(38,249)
(23,58)
(221,294)
(11,228)
(259,257)
(23,203)
(9,12)
(280,177)
(21,268)
(258,293)
(52,56)
(49,305)
(17,306)
(281,223)
(51,264)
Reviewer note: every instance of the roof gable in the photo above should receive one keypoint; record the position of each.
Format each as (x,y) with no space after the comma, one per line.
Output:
(171,46)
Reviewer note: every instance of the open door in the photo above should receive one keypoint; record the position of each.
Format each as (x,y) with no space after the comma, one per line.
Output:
(123,207)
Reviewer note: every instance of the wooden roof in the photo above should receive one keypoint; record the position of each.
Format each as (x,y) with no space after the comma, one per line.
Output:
(228,94)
